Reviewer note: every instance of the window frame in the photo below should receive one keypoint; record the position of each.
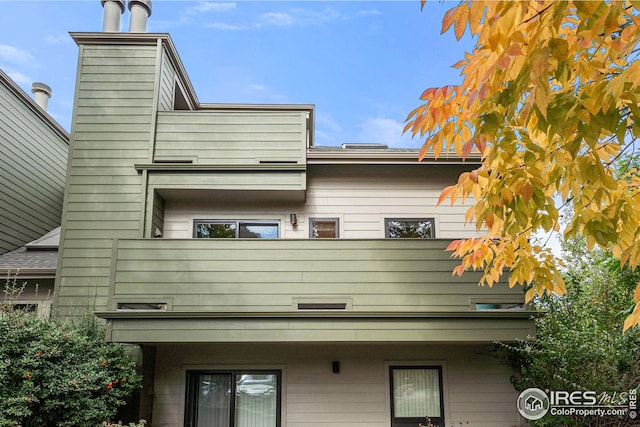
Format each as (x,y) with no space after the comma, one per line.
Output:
(431,220)
(237,222)
(413,421)
(335,220)
(192,384)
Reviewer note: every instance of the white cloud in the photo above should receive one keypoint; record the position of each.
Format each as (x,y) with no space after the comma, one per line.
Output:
(381,130)
(15,55)
(208,6)
(328,131)
(59,38)
(264,94)
(219,25)
(296,16)
(19,78)
(277,19)
(369,12)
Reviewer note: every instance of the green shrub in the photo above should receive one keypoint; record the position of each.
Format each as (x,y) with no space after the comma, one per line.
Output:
(56,373)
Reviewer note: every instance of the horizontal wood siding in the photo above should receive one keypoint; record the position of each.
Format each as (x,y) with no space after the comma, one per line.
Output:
(231,137)
(112,132)
(239,181)
(33,165)
(361,197)
(477,391)
(259,275)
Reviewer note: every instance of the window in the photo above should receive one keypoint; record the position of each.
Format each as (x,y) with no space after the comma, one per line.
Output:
(416,393)
(323,228)
(233,398)
(410,228)
(230,229)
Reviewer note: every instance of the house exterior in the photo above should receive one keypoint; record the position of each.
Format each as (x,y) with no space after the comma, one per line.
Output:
(33,166)
(268,281)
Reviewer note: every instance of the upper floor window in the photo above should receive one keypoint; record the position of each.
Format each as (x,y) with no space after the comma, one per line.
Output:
(416,393)
(233,229)
(409,228)
(235,398)
(323,228)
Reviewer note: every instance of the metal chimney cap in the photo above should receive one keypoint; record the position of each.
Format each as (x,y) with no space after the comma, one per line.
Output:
(41,87)
(144,3)
(120,3)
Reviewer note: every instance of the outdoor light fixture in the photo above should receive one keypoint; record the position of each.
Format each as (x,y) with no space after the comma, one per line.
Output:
(293,218)
(335,366)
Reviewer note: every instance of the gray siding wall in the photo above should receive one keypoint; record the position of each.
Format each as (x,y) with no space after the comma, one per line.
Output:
(113,117)
(477,391)
(33,164)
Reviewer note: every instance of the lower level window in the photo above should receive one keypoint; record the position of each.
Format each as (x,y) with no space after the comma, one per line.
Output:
(416,394)
(233,399)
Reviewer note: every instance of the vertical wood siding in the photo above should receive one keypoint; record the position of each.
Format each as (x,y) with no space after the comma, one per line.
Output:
(477,390)
(33,164)
(112,119)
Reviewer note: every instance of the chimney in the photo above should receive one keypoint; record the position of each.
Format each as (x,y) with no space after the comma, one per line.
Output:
(41,93)
(140,12)
(112,11)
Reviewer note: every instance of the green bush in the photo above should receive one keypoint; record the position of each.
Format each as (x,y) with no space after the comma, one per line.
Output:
(56,373)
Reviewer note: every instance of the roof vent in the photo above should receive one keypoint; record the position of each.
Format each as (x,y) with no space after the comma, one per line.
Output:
(112,11)
(140,12)
(41,93)
(364,146)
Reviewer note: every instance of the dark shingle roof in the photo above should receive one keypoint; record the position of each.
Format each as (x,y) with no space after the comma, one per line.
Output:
(38,257)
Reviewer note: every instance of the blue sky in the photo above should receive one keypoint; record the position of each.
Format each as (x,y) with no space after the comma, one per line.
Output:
(363,64)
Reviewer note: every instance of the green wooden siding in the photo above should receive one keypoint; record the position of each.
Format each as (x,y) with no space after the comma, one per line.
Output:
(167,84)
(113,118)
(268,275)
(232,137)
(33,164)
(294,180)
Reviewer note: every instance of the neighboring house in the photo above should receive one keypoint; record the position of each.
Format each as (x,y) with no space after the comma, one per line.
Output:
(269,281)
(29,273)
(33,165)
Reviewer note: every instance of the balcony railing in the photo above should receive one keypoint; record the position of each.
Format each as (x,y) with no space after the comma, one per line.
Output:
(255,290)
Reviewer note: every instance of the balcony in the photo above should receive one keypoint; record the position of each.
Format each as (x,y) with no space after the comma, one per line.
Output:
(167,290)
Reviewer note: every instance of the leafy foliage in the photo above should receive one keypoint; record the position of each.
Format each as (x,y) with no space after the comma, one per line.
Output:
(549,101)
(579,344)
(58,373)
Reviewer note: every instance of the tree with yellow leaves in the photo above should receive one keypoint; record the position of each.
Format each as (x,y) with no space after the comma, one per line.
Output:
(550,101)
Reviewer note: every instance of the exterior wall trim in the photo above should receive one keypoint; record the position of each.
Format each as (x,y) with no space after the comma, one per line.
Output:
(187,167)
(525,314)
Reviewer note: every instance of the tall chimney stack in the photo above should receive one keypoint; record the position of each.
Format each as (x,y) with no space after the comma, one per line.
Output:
(41,93)
(112,11)
(140,12)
